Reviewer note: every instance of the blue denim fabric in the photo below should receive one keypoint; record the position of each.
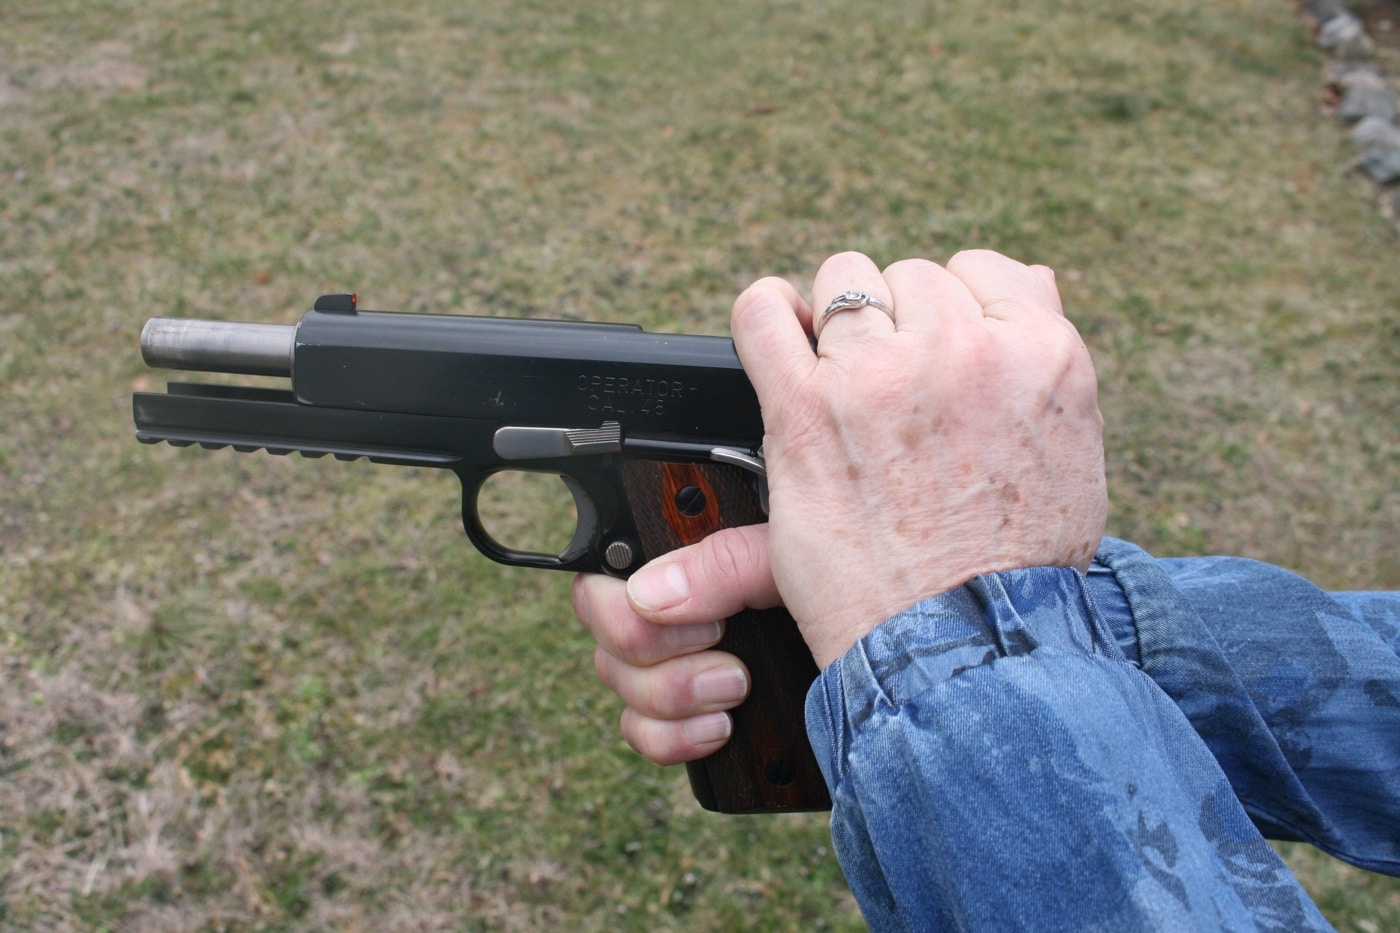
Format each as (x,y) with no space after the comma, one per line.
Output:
(1295,691)
(997,760)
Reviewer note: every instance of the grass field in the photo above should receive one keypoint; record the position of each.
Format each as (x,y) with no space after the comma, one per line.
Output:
(245,692)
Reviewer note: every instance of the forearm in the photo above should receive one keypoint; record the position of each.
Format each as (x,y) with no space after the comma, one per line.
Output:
(1295,691)
(995,763)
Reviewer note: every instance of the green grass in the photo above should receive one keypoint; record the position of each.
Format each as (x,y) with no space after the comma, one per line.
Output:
(244,692)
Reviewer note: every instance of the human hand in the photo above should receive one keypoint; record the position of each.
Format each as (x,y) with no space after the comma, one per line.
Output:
(654,632)
(904,458)
(959,435)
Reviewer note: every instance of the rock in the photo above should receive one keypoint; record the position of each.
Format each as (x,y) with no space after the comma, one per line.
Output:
(1320,11)
(1379,141)
(1344,36)
(1365,94)
(1383,165)
(1344,72)
(1373,131)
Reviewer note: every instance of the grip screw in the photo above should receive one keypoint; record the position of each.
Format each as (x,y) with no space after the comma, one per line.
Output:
(780,772)
(618,555)
(690,500)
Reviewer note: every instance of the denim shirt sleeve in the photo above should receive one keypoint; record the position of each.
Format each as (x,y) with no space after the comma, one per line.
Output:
(995,762)
(1295,691)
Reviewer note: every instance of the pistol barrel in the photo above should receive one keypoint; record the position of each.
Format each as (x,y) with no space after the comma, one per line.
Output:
(219,346)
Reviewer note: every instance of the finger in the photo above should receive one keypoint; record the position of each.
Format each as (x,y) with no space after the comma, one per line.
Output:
(682,687)
(790,297)
(927,294)
(851,272)
(672,742)
(771,323)
(601,605)
(1004,288)
(726,572)
(1047,275)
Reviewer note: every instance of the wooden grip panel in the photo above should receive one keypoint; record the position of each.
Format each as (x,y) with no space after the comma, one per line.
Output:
(767,765)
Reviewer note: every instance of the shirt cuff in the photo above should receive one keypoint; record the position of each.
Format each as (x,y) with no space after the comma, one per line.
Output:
(992,616)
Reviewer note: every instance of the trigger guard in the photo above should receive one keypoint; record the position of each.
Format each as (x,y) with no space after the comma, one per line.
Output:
(587,520)
(575,553)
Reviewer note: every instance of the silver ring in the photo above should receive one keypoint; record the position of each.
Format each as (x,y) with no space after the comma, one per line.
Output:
(852,300)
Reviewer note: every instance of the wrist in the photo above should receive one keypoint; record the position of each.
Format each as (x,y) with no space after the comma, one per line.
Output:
(1006,612)
(833,635)
(831,627)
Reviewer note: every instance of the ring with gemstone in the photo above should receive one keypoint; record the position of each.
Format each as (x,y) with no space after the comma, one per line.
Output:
(852,300)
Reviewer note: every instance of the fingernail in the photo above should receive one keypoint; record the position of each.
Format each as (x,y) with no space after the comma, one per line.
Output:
(699,635)
(720,685)
(711,727)
(658,586)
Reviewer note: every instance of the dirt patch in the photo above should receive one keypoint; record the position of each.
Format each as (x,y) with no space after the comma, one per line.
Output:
(107,66)
(1382,21)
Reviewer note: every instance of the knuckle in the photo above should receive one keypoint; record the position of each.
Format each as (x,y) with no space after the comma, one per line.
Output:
(846,258)
(757,299)
(664,692)
(728,556)
(970,256)
(631,642)
(581,598)
(635,731)
(603,666)
(655,740)
(912,265)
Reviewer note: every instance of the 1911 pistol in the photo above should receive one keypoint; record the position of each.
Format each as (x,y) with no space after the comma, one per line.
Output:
(657,436)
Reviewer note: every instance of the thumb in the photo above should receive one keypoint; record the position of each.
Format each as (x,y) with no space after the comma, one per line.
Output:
(723,574)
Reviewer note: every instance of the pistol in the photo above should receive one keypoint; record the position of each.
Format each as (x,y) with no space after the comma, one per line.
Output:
(658,438)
